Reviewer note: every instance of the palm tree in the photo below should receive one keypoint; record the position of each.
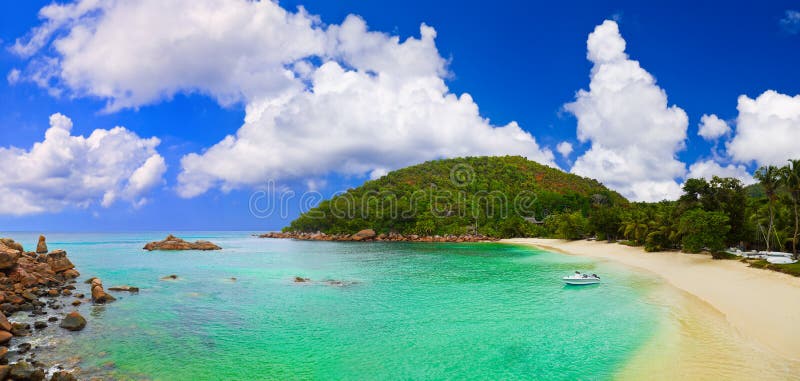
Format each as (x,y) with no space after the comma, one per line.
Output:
(790,176)
(635,226)
(769,177)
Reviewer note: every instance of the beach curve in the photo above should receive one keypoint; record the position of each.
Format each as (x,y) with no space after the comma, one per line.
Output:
(761,308)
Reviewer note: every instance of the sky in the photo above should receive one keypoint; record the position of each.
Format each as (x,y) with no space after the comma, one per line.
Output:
(238,115)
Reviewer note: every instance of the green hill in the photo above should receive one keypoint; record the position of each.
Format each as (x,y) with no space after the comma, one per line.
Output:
(487,195)
(755,191)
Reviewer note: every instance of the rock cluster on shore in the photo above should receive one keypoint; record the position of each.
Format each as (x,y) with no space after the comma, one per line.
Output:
(370,235)
(175,243)
(25,277)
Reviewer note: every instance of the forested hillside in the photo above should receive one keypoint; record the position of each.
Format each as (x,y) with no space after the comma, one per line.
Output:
(484,195)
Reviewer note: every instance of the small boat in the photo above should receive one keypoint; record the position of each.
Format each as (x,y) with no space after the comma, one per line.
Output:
(580,279)
(779,258)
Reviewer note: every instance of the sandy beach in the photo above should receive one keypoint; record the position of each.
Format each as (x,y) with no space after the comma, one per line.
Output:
(728,313)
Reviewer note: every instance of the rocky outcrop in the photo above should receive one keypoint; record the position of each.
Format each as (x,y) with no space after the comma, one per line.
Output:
(5,325)
(33,283)
(26,276)
(5,336)
(8,257)
(10,243)
(370,235)
(24,371)
(63,375)
(175,243)
(58,261)
(41,247)
(73,322)
(363,235)
(99,295)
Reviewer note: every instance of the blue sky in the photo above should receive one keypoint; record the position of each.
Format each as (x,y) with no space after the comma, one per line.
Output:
(519,62)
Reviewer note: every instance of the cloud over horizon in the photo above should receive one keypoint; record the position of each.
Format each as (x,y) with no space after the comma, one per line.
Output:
(342,99)
(67,171)
(319,98)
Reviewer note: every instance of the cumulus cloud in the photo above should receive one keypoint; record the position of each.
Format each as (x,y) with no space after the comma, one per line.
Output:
(707,169)
(318,98)
(767,129)
(134,53)
(712,127)
(353,122)
(791,21)
(564,148)
(66,170)
(634,132)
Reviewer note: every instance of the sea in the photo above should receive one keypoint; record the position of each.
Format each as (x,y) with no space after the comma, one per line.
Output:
(365,311)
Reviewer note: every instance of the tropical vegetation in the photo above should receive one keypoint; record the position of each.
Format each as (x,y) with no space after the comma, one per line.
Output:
(513,197)
(497,196)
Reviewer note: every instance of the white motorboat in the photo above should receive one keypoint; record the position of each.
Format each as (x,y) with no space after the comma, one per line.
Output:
(779,258)
(581,279)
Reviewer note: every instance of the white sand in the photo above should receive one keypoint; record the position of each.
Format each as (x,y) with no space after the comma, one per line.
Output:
(762,308)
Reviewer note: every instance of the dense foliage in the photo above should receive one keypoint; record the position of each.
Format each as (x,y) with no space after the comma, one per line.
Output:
(701,229)
(720,213)
(710,215)
(494,196)
(513,197)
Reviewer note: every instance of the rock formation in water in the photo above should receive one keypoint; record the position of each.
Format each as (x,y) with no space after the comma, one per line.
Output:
(73,321)
(41,247)
(99,295)
(126,288)
(175,243)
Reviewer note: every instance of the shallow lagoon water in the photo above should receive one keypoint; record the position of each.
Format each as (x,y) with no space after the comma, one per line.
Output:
(402,311)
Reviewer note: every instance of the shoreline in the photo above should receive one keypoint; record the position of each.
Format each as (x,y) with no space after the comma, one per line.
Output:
(42,311)
(720,310)
(369,235)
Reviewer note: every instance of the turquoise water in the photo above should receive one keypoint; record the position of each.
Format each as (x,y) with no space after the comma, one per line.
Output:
(406,311)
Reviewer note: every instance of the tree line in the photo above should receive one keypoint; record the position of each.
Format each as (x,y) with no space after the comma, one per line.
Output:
(709,215)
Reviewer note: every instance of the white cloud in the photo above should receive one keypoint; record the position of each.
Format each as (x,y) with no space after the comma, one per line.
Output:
(318,98)
(134,53)
(54,17)
(709,168)
(767,129)
(712,127)
(66,170)
(352,123)
(634,133)
(564,148)
(13,76)
(791,21)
